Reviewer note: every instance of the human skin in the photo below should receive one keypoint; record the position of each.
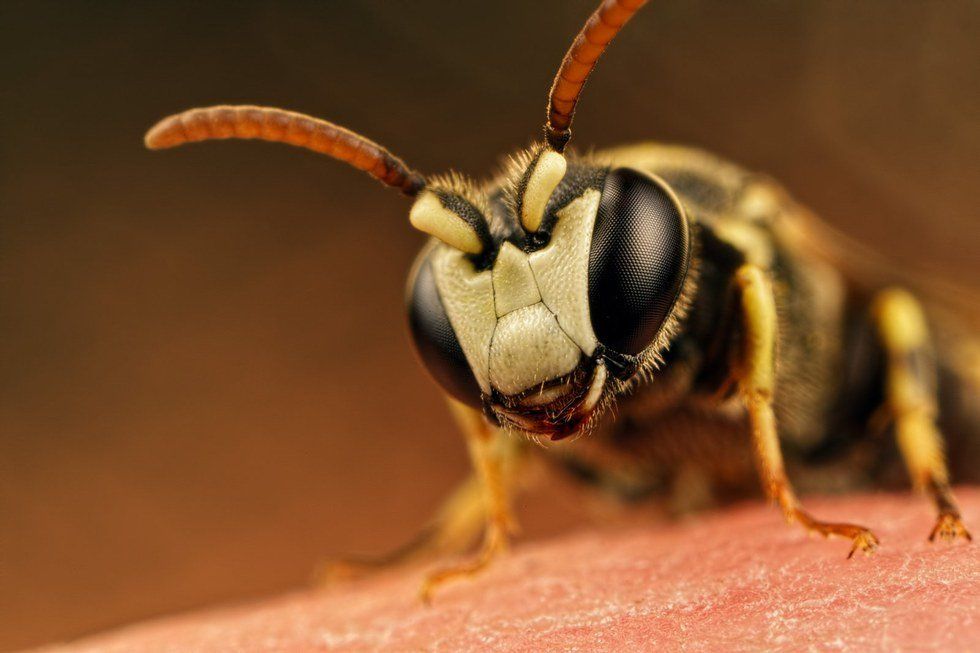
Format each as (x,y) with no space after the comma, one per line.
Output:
(733,580)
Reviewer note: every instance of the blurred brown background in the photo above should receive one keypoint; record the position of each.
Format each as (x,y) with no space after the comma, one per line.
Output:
(205,380)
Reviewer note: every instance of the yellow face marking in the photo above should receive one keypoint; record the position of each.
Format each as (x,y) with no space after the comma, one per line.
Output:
(562,269)
(430,216)
(513,282)
(547,174)
(468,298)
(529,347)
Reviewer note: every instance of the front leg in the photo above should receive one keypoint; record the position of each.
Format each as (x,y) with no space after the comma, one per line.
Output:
(478,506)
(453,530)
(755,374)
(494,455)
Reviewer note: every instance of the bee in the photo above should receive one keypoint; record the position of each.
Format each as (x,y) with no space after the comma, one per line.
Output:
(656,318)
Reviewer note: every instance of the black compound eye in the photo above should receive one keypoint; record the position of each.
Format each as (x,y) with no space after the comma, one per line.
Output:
(639,258)
(436,342)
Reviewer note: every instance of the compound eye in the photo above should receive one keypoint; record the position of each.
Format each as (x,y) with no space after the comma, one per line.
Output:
(639,258)
(436,342)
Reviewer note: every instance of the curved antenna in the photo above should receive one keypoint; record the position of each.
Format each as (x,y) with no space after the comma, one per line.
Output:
(598,31)
(281,126)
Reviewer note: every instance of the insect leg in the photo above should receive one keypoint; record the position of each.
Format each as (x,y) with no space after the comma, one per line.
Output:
(457,524)
(494,455)
(910,395)
(453,530)
(756,379)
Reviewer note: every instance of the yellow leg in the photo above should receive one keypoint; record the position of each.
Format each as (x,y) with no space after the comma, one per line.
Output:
(756,379)
(452,531)
(910,402)
(493,456)
(461,518)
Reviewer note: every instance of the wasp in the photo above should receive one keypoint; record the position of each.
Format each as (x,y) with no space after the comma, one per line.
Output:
(656,318)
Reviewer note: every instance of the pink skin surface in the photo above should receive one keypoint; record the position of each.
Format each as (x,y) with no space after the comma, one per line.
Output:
(735,580)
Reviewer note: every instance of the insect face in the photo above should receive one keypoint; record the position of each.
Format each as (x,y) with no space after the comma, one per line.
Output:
(542,298)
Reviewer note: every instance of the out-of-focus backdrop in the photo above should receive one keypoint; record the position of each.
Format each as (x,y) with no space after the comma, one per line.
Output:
(205,380)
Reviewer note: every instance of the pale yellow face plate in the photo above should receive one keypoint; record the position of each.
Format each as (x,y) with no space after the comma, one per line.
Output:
(526,320)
